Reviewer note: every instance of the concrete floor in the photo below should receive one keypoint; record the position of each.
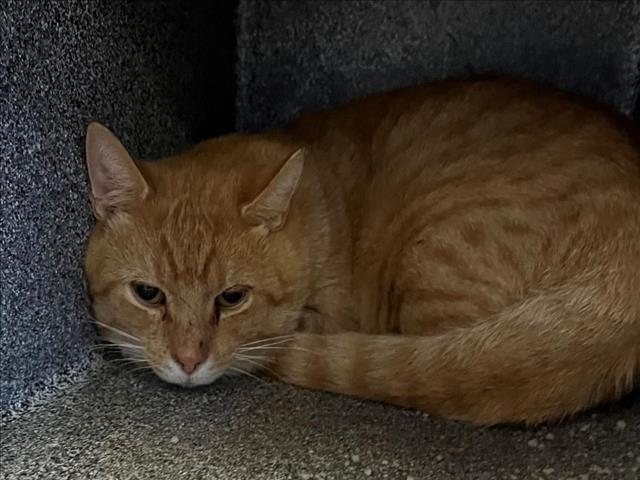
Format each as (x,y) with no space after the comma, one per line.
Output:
(119,425)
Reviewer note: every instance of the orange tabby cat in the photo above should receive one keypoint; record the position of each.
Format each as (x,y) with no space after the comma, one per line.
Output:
(467,248)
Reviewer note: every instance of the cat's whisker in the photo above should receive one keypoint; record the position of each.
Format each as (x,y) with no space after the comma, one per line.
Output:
(129,345)
(123,358)
(127,359)
(118,331)
(88,321)
(255,347)
(301,349)
(116,360)
(244,372)
(94,348)
(115,345)
(253,357)
(145,368)
(262,366)
(258,348)
(264,340)
(253,362)
(103,345)
(133,368)
(141,372)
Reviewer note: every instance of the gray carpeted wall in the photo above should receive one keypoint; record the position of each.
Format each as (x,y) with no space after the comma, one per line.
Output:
(161,75)
(300,55)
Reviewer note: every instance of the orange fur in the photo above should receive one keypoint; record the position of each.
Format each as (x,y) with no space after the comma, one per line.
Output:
(468,248)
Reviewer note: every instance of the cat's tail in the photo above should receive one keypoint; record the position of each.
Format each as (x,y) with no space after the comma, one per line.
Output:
(545,358)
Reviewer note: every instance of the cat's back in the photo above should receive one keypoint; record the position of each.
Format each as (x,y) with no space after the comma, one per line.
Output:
(490,117)
(485,133)
(509,172)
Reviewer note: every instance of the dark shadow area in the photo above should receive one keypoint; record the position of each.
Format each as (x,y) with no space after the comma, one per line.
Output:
(211,50)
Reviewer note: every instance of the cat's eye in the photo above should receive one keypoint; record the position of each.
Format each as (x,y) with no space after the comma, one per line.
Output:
(148,294)
(232,297)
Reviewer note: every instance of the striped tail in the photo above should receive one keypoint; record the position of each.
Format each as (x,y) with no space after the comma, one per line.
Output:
(539,360)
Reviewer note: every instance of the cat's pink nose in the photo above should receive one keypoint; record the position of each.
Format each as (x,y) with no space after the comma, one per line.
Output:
(189,361)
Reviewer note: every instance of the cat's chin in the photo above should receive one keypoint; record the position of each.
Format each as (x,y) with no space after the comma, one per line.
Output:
(199,383)
(205,374)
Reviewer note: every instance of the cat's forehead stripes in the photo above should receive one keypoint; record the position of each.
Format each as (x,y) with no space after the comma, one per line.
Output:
(189,239)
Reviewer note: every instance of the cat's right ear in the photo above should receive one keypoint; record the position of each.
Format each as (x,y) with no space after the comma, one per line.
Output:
(116,181)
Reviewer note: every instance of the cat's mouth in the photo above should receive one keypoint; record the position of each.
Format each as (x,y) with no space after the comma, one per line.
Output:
(205,374)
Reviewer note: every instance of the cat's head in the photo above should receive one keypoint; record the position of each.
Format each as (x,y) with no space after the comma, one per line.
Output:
(198,264)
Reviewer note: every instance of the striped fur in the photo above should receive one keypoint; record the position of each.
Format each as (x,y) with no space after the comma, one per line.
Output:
(467,248)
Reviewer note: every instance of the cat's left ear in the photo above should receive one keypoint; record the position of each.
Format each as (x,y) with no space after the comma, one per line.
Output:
(271,206)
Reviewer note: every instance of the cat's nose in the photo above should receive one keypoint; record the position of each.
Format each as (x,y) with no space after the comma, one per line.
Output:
(189,361)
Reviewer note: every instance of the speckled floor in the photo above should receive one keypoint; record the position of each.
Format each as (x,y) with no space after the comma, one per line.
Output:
(117,425)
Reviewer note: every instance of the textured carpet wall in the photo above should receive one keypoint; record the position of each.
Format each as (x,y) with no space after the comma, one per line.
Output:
(160,74)
(297,55)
